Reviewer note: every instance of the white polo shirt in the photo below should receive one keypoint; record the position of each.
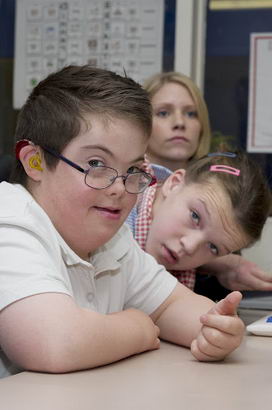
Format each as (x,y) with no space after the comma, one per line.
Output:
(35,259)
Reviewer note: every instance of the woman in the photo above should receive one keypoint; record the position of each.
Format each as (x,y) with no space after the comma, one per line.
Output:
(181,127)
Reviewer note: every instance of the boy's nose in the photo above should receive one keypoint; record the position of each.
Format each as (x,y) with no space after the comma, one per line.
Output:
(118,187)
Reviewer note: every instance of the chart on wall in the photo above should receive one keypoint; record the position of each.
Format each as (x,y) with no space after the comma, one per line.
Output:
(118,35)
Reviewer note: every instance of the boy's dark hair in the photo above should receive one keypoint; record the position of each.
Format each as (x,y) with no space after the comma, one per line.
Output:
(249,191)
(56,109)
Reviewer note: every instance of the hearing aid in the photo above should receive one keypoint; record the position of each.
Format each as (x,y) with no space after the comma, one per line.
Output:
(35,162)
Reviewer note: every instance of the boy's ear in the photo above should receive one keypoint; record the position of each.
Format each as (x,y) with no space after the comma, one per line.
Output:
(31,159)
(173,182)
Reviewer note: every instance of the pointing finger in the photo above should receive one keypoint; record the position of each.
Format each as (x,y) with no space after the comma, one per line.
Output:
(228,305)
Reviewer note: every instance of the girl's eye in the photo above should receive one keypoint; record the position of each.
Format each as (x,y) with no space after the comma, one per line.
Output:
(213,249)
(133,170)
(96,163)
(195,217)
(162,113)
(192,114)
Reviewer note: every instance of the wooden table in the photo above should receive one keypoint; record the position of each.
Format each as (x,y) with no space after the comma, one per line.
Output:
(166,379)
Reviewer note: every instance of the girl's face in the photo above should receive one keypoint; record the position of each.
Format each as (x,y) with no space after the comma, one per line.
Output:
(192,225)
(176,127)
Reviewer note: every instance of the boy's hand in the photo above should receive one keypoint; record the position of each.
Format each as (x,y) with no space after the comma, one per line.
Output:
(146,333)
(222,330)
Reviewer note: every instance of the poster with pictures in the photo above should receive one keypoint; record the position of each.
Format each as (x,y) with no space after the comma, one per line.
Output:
(119,35)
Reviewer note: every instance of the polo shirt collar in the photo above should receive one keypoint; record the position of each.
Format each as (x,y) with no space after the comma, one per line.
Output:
(105,258)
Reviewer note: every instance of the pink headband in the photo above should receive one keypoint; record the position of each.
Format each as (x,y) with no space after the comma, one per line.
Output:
(225,168)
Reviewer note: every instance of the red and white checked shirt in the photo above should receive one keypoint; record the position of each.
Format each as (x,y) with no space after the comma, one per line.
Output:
(142,225)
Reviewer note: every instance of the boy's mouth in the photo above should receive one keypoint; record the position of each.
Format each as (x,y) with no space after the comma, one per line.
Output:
(112,213)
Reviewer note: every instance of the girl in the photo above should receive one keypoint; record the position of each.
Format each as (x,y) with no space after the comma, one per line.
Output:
(185,224)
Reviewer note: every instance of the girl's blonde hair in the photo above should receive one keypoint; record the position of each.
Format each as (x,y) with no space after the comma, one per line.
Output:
(153,84)
(243,182)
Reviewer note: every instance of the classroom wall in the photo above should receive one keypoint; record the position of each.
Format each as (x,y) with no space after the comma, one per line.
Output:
(219,57)
(8,115)
(227,73)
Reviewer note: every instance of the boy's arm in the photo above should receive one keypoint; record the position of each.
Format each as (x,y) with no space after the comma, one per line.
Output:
(49,332)
(212,330)
(237,273)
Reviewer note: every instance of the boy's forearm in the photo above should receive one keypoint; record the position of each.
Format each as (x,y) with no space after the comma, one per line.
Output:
(180,321)
(182,327)
(102,339)
(214,329)
(56,336)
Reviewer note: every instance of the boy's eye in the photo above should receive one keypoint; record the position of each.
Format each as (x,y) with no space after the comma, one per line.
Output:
(195,217)
(96,163)
(213,249)
(133,170)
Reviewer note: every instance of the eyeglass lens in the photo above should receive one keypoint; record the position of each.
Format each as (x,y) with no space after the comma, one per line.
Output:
(103,177)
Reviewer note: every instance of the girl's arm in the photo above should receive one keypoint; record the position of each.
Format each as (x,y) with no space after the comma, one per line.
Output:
(236,273)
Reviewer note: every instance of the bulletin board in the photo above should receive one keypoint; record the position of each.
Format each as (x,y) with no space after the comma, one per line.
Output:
(228,81)
(259,137)
(119,35)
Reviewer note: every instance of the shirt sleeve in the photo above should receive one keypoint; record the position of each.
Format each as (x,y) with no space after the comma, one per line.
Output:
(149,284)
(29,265)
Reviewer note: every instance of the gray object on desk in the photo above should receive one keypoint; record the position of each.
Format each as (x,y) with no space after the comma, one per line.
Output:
(256,300)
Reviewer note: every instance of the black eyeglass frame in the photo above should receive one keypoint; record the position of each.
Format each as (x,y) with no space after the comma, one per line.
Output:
(152,179)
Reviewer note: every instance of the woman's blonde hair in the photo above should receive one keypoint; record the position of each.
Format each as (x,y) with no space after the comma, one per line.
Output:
(153,84)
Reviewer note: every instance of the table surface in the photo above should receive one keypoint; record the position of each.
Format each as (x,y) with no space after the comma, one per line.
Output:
(166,379)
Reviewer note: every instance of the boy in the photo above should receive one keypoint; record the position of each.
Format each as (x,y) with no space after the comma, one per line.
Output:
(76,290)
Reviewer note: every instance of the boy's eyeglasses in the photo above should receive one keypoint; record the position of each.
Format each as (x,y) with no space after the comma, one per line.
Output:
(101,177)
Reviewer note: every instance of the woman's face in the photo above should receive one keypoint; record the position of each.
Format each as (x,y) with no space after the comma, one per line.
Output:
(176,127)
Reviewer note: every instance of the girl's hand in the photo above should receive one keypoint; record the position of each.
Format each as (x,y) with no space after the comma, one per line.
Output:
(245,275)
